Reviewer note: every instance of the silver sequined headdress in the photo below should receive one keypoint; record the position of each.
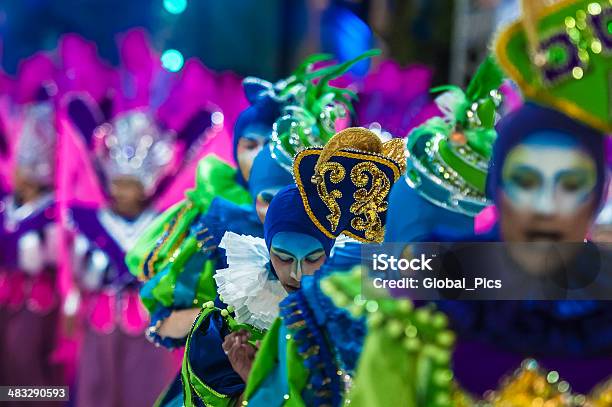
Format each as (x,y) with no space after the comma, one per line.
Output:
(133,145)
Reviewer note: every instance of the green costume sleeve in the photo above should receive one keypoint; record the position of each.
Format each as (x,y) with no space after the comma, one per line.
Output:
(265,360)
(208,331)
(146,242)
(167,247)
(193,386)
(278,376)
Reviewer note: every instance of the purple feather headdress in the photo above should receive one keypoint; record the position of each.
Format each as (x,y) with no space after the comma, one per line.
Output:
(136,128)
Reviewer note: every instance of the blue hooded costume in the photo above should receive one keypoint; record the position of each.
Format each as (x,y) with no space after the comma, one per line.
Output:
(314,339)
(205,358)
(256,121)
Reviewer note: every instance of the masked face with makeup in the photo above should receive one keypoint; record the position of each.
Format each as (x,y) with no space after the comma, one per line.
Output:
(294,255)
(549,189)
(547,178)
(253,127)
(297,248)
(248,146)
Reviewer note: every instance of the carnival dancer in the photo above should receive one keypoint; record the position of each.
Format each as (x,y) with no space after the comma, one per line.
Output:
(306,109)
(556,351)
(32,125)
(115,322)
(296,113)
(135,154)
(28,259)
(331,198)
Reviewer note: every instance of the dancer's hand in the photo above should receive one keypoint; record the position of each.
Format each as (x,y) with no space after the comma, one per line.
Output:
(240,352)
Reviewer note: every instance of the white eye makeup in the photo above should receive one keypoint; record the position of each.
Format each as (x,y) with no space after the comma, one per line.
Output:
(549,174)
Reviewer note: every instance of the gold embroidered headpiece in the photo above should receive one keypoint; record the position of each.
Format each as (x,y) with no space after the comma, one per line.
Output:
(345,185)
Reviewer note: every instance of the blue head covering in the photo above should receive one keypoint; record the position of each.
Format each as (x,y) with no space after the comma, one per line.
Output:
(533,118)
(412,218)
(287,214)
(258,118)
(267,174)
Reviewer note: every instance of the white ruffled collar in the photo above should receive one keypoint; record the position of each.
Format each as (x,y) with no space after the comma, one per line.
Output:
(246,284)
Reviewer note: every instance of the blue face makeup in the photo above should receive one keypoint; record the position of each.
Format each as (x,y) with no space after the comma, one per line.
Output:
(296,248)
(297,245)
(549,173)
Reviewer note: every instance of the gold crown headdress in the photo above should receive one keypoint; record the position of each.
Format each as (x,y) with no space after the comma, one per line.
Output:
(345,185)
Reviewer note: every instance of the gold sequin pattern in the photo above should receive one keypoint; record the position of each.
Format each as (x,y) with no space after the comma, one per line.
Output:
(396,150)
(369,203)
(375,160)
(169,229)
(329,198)
(355,138)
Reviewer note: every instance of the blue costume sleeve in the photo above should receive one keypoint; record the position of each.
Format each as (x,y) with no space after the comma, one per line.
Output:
(225,216)
(207,359)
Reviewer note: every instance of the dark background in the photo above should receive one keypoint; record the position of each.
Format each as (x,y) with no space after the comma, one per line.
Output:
(265,38)
(251,37)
